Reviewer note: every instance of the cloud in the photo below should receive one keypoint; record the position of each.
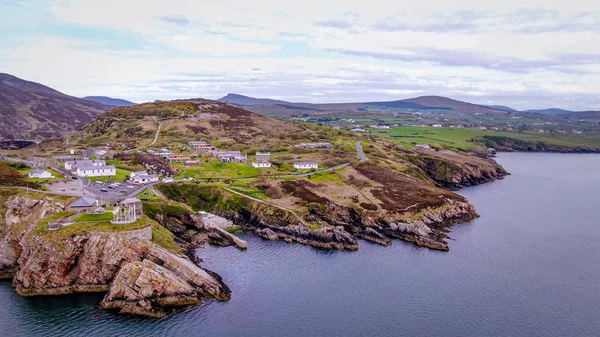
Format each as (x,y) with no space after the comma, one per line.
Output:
(524,53)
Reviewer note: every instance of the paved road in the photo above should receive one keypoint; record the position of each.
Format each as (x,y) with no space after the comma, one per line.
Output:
(360,152)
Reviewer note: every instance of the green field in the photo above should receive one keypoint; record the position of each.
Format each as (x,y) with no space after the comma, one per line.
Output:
(148,195)
(217,169)
(461,138)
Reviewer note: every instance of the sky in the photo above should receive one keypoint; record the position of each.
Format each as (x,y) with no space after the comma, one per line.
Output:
(525,54)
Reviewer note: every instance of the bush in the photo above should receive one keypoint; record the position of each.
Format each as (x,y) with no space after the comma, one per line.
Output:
(274,192)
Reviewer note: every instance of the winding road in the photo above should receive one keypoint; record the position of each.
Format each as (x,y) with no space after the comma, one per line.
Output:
(360,152)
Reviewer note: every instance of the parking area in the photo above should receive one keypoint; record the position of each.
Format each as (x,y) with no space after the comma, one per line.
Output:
(111,190)
(67,187)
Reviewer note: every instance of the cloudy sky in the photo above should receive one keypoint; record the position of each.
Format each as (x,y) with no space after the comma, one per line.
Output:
(525,54)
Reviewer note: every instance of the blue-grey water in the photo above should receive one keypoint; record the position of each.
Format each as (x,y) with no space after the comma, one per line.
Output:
(530,266)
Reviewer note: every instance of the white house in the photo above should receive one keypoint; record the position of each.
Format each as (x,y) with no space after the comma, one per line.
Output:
(303,165)
(72,165)
(145,178)
(261,164)
(43,174)
(138,173)
(96,171)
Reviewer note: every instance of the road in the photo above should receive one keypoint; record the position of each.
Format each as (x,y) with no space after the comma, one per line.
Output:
(360,152)
(155,137)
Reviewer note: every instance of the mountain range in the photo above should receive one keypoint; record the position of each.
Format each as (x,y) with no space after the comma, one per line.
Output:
(32,111)
(109,101)
(417,103)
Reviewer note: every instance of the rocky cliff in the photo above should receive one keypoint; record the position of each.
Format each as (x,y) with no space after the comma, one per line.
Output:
(330,225)
(141,277)
(508,144)
(453,170)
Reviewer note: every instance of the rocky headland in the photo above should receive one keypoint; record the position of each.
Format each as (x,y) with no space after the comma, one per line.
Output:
(139,276)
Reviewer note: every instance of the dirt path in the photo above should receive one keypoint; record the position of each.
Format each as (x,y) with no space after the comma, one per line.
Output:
(267,203)
(155,137)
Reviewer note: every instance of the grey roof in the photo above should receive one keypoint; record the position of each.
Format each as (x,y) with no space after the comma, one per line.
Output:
(84,202)
(85,161)
(37,171)
(91,168)
(306,163)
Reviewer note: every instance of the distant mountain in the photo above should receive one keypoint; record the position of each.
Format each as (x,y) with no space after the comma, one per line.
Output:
(246,100)
(445,103)
(109,101)
(551,111)
(500,107)
(32,111)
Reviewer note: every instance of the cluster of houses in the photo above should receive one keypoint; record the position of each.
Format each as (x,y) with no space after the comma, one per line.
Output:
(91,168)
(263,159)
(230,156)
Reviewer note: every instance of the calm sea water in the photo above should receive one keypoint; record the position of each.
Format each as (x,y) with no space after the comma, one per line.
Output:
(530,266)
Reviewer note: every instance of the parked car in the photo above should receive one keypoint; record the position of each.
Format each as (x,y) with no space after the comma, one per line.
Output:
(130,186)
(103,190)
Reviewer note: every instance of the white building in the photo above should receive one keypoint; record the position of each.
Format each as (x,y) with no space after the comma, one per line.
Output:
(261,164)
(303,165)
(138,173)
(96,171)
(43,174)
(72,165)
(359,130)
(144,178)
(168,180)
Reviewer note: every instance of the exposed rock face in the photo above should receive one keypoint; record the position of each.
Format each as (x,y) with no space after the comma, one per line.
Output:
(141,277)
(144,288)
(290,229)
(196,231)
(21,217)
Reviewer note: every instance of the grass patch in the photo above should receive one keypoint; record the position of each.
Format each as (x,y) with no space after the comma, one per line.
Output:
(148,195)
(218,169)
(94,217)
(462,138)
(76,229)
(326,177)
(164,238)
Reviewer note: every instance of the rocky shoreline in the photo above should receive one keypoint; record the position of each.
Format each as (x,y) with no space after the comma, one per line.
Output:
(139,276)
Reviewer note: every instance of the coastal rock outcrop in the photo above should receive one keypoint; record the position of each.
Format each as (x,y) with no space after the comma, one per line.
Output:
(21,217)
(141,277)
(452,170)
(145,288)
